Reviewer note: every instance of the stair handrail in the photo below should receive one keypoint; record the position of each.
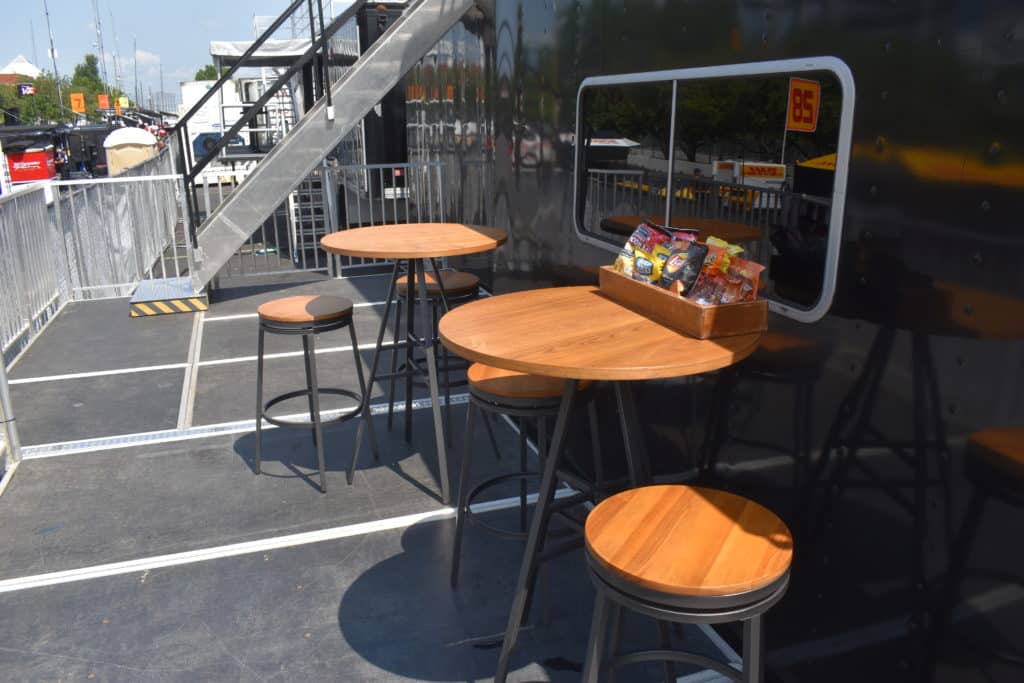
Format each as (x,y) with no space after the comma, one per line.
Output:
(226,76)
(250,112)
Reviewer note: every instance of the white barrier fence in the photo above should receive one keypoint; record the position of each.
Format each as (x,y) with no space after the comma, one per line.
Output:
(84,239)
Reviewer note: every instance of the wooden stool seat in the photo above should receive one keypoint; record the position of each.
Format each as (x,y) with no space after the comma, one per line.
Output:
(689,541)
(305,309)
(1000,449)
(515,385)
(455,283)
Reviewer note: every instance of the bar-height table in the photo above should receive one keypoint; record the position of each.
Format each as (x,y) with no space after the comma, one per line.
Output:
(578,333)
(415,244)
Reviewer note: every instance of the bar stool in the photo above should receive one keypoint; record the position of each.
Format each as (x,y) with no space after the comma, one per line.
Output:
(994,465)
(493,391)
(458,288)
(309,316)
(684,554)
(781,359)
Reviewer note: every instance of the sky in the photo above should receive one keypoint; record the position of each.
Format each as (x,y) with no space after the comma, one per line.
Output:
(176,34)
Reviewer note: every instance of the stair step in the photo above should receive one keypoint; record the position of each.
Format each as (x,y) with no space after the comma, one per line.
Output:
(166,296)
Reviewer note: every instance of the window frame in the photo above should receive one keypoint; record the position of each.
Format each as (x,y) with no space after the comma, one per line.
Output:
(831,64)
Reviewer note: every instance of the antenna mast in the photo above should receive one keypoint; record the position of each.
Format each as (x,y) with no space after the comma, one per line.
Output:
(117,60)
(99,41)
(32,32)
(53,56)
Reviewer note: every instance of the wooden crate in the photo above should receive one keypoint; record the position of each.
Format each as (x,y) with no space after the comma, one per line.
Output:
(702,322)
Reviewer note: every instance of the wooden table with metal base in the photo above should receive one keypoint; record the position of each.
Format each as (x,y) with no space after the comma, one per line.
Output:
(415,244)
(577,333)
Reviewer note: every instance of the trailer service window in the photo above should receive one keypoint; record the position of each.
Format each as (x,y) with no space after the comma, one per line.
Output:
(753,153)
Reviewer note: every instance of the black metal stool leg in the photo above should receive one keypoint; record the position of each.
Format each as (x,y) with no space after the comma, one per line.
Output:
(394,362)
(753,650)
(523,455)
(309,383)
(665,643)
(367,419)
(259,402)
(460,510)
(595,647)
(490,436)
(595,445)
(315,394)
(615,617)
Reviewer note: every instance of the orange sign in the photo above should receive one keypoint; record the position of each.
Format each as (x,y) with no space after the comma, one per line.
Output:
(804,104)
(117,107)
(103,101)
(78,102)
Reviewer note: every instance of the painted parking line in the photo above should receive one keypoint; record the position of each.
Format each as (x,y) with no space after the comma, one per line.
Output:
(245,316)
(106,443)
(98,373)
(251,547)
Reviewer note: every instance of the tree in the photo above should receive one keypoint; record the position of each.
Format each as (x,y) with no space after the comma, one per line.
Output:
(87,75)
(209,73)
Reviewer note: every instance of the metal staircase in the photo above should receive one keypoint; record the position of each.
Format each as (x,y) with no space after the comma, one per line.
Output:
(339,108)
(355,94)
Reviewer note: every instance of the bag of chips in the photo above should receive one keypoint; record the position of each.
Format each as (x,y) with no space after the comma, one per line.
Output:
(683,267)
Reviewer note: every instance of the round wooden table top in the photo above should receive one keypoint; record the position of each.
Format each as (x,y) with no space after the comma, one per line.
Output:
(578,333)
(414,240)
(687,540)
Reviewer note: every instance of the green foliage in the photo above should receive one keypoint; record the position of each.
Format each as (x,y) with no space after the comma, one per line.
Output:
(209,73)
(42,108)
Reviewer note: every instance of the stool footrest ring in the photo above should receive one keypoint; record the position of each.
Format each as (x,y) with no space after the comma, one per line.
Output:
(676,656)
(479,488)
(346,414)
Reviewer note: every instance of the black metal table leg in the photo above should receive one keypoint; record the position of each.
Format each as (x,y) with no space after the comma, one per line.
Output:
(538,524)
(636,451)
(380,341)
(435,403)
(410,336)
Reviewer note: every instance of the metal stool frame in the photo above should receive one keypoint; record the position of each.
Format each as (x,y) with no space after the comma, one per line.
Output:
(523,408)
(313,391)
(615,593)
(437,301)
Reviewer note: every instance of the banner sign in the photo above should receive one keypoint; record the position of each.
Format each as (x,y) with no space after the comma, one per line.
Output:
(103,101)
(78,102)
(26,89)
(804,104)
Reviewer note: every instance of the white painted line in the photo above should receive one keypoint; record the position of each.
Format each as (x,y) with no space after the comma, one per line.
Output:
(250,547)
(98,373)
(106,443)
(188,385)
(289,354)
(245,316)
(8,475)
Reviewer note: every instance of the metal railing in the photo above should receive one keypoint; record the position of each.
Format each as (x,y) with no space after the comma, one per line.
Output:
(633,192)
(33,271)
(74,240)
(121,230)
(321,32)
(381,194)
(332,198)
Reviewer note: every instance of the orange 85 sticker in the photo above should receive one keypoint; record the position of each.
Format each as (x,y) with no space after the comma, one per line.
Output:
(804,103)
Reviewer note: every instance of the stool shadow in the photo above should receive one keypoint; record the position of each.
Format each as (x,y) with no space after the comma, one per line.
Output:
(402,616)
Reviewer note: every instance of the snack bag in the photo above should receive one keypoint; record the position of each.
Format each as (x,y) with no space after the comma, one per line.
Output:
(651,248)
(683,267)
(721,253)
(624,261)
